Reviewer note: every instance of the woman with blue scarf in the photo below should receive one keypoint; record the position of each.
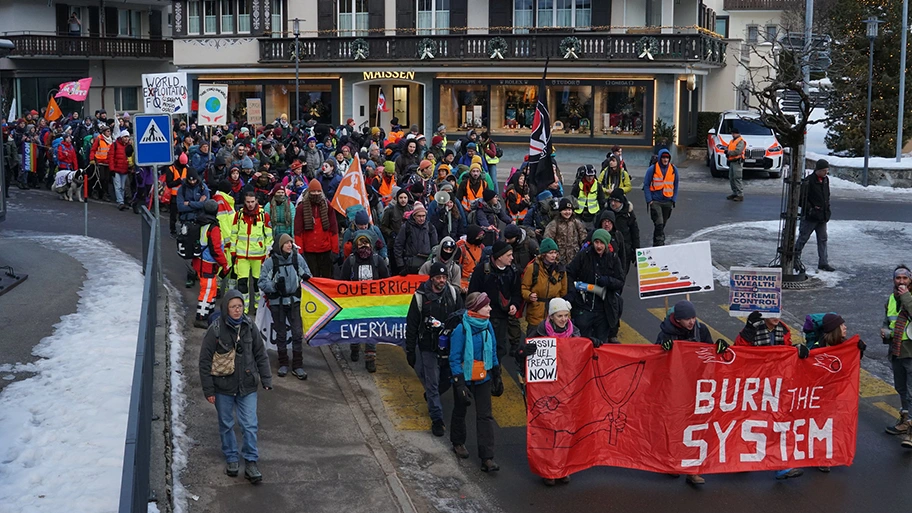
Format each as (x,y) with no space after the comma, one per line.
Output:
(476,375)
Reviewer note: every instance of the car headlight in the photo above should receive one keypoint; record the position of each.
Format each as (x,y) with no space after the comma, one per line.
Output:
(775,149)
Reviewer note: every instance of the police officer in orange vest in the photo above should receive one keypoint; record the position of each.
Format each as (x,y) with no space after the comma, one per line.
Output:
(661,189)
(735,155)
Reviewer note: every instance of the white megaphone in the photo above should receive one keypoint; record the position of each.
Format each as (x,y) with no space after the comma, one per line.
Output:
(591,288)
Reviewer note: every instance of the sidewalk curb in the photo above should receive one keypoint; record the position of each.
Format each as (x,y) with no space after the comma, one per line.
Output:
(361,410)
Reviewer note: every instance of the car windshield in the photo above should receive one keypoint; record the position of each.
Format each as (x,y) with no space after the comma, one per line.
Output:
(746,126)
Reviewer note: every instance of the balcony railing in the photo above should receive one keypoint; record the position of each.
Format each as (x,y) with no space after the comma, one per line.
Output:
(644,47)
(761,5)
(33,45)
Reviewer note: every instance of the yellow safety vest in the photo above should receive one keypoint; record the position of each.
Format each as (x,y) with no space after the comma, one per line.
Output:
(588,202)
(251,241)
(893,310)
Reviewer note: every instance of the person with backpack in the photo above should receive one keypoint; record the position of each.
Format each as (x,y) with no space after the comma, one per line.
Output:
(280,279)
(445,253)
(475,366)
(613,176)
(446,216)
(539,215)
(589,195)
(567,231)
(517,199)
(434,303)
(212,261)
(232,363)
(281,211)
(472,190)
(490,214)
(895,332)
(415,240)
(359,220)
(525,247)
(174,177)
(471,250)
(497,277)
(251,238)
(364,264)
(543,279)
(660,188)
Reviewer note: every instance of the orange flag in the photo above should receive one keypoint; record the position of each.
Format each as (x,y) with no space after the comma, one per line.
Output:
(351,190)
(53,111)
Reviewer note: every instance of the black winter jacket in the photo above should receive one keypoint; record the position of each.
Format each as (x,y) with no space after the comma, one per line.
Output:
(438,306)
(588,267)
(815,198)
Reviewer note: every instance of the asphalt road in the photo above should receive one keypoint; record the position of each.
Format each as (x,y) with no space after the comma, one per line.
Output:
(876,480)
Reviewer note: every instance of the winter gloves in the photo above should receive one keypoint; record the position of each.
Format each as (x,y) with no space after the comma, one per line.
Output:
(410,358)
(461,392)
(721,346)
(803,351)
(497,385)
(667,343)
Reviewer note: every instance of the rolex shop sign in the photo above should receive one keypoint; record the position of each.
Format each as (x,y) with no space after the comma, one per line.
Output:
(388,75)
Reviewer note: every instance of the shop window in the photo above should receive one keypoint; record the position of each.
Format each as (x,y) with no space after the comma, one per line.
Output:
(316,103)
(227,14)
(722,26)
(433,17)
(353,18)
(523,16)
(193,18)
(464,106)
(513,108)
(620,111)
(125,99)
(571,109)
(237,100)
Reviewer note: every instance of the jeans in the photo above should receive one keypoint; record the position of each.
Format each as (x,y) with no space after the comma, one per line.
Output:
(804,233)
(428,370)
(902,380)
(735,175)
(660,212)
(120,183)
(246,407)
(484,420)
(290,314)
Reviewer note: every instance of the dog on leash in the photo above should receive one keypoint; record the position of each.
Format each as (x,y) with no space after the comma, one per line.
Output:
(68,184)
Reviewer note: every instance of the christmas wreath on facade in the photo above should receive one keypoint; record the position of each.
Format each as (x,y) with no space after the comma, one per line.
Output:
(360,50)
(570,47)
(497,47)
(427,47)
(647,47)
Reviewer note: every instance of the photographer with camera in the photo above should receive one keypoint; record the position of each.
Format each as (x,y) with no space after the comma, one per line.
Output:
(433,304)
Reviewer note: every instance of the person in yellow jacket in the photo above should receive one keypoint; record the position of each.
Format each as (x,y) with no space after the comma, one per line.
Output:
(543,280)
(251,240)
(225,214)
(613,176)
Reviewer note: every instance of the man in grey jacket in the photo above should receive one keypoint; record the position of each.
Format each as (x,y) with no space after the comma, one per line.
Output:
(236,391)
(280,279)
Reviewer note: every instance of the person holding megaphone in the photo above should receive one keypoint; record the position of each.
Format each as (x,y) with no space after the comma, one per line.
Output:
(597,281)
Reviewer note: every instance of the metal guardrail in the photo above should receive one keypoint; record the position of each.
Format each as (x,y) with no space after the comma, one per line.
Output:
(134,485)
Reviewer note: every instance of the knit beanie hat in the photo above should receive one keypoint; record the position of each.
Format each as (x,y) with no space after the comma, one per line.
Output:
(283,239)
(617,194)
(602,235)
(437,269)
(684,310)
(389,167)
(418,207)
(512,232)
(488,195)
(436,140)
(547,245)
(500,249)
(314,186)
(831,322)
(564,204)
(361,218)
(821,164)
(476,301)
(558,305)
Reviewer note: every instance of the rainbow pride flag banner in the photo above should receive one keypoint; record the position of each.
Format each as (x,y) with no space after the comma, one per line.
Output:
(29,157)
(357,311)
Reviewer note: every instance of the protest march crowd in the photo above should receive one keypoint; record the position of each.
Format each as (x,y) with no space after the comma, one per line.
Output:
(259,210)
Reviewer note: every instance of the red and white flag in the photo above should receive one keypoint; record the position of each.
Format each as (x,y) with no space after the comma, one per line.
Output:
(78,90)
(381,102)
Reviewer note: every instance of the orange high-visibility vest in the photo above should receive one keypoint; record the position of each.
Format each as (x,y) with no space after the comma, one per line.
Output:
(101,151)
(665,183)
(732,146)
(471,195)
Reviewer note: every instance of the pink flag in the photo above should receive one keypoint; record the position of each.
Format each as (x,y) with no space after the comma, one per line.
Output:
(78,90)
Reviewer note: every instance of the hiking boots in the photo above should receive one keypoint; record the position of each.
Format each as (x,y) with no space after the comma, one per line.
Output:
(300,374)
(232,469)
(826,267)
(251,472)
(789,472)
(370,362)
(907,440)
(200,322)
(902,425)
(355,352)
(461,451)
(731,197)
(696,479)
(738,198)
(283,371)
(488,465)
(438,427)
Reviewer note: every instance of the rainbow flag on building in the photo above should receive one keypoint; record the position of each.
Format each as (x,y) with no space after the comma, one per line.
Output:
(357,311)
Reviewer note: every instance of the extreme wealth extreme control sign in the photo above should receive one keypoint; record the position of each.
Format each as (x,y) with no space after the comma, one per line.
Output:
(165,93)
(755,289)
(357,311)
(748,409)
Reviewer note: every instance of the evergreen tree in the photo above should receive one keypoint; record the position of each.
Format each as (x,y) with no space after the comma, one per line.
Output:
(849,96)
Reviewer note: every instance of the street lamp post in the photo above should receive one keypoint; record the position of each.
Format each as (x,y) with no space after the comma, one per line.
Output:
(872,23)
(902,81)
(296,28)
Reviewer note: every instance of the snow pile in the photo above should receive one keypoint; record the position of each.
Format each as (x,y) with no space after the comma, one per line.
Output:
(179,439)
(852,245)
(63,430)
(848,185)
(816,149)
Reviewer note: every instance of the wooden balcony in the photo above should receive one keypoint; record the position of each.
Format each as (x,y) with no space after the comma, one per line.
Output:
(36,45)
(506,49)
(761,5)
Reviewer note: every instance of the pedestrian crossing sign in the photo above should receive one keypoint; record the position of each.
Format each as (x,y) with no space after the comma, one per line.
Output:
(153,146)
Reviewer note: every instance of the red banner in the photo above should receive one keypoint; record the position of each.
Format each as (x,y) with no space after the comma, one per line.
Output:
(691,411)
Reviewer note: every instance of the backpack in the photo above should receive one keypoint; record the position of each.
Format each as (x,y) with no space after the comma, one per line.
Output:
(497,151)
(813,329)
(275,271)
(188,240)
(375,262)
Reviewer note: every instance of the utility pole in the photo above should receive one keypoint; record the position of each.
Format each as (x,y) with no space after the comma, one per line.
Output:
(902,81)
(796,171)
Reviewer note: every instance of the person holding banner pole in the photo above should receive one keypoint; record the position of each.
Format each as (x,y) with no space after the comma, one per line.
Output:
(476,375)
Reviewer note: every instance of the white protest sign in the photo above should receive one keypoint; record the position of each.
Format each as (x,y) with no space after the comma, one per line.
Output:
(755,289)
(255,111)
(542,367)
(213,104)
(676,269)
(165,93)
